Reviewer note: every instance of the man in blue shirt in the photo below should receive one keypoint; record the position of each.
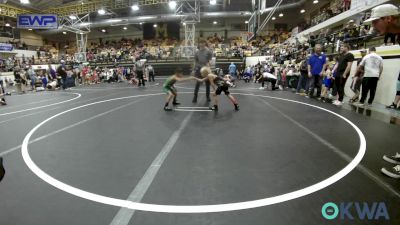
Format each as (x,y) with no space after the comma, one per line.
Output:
(316,67)
(232,70)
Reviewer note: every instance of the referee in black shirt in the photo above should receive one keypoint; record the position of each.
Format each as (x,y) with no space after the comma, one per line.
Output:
(202,58)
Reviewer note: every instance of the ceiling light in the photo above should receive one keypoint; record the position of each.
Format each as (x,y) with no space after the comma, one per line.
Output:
(135,7)
(172,4)
(24,1)
(184,24)
(125,28)
(30,29)
(315,1)
(7,24)
(302,11)
(101,11)
(215,22)
(141,23)
(274,18)
(280,15)
(213,2)
(72,17)
(155,25)
(246,22)
(103,30)
(64,32)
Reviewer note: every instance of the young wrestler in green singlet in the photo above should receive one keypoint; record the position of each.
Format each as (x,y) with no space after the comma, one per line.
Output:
(169,88)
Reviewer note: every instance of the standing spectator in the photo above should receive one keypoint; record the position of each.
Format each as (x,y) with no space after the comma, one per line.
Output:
(357,79)
(342,73)
(63,74)
(303,79)
(32,77)
(140,71)
(150,70)
(396,102)
(316,67)
(232,70)
(202,58)
(372,64)
(385,19)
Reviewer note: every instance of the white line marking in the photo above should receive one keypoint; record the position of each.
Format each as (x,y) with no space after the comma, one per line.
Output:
(336,150)
(193,208)
(124,215)
(193,110)
(30,103)
(47,110)
(69,127)
(192,107)
(39,107)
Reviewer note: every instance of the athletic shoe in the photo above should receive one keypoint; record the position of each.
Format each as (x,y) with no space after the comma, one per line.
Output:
(307,96)
(359,104)
(176,103)
(393,172)
(337,103)
(236,107)
(214,108)
(2,102)
(392,159)
(262,88)
(392,106)
(166,108)
(194,100)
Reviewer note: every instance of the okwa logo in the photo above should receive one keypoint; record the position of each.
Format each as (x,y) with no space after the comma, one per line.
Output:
(355,210)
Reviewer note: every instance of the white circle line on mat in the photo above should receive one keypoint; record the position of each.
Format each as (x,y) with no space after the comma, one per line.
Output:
(193,208)
(39,107)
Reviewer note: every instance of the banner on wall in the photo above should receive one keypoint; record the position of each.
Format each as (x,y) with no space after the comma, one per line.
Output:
(6,47)
(161,31)
(37,21)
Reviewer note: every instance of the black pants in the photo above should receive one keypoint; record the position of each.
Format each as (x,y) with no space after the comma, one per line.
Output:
(64,83)
(197,87)
(315,82)
(151,77)
(273,82)
(140,78)
(392,38)
(369,84)
(340,83)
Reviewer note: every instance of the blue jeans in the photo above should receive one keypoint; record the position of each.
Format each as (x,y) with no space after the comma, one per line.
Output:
(303,82)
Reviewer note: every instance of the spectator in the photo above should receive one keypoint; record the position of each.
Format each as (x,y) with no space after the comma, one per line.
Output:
(303,80)
(357,79)
(342,73)
(316,67)
(63,74)
(385,19)
(372,65)
(396,102)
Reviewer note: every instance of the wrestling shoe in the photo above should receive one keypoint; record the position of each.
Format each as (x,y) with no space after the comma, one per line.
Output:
(236,107)
(393,172)
(176,103)
(214,108)
(392,159)
(166,108)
